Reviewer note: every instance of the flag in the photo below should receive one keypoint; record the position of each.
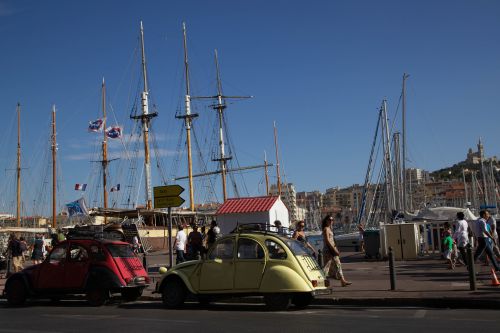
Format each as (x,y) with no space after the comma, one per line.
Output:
(77,207)
(96,125)
(80,187)
(114,132)
(115,188)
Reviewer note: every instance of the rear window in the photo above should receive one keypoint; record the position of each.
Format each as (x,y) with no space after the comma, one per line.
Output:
(298,248)
(120,250)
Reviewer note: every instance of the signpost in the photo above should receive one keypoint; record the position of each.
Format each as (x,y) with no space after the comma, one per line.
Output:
(168,197)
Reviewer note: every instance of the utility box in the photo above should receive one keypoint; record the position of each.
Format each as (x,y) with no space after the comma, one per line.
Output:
(404,240)
(372,244)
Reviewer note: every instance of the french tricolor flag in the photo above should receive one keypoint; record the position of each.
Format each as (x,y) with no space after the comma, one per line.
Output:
(80,187)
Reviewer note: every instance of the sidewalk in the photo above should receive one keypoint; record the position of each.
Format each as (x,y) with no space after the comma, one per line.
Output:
(424,282)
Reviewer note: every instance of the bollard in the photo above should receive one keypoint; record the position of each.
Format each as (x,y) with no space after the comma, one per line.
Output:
(392,271)
(471,268)
(144,262)
(320,258)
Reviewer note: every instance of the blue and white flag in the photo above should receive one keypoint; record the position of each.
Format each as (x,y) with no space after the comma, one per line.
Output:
(77,208)
(115,188)
(96,125)
(114,132)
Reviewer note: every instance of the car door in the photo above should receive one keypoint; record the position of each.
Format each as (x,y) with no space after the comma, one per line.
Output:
(217,271)
(52,270)
(249,264)
(77,265)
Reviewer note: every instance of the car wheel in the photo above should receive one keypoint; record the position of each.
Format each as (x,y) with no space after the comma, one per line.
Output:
(302,300)
(277,302)
(131,295)
(16,293)
(97,296)
(173,294)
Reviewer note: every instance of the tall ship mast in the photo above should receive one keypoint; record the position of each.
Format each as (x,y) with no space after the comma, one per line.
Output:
(18,169)
(104,151)
(145,118)
(188,118)
(54,173)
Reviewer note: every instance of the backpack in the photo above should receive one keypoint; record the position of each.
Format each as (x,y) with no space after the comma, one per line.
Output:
(23,247)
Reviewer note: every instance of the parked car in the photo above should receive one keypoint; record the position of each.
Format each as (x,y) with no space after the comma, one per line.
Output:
(247,263)
(92,267)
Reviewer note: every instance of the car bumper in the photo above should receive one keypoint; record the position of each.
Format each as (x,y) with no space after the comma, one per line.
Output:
(318,292)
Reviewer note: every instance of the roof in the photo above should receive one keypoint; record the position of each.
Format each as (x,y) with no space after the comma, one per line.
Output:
(247,205)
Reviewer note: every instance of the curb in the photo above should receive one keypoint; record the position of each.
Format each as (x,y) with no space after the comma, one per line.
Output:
(446,302)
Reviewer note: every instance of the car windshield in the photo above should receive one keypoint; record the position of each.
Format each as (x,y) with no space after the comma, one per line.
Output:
(120,250)
(297,247)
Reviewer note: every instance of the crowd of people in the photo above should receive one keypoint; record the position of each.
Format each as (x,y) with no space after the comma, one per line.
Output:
(483,231)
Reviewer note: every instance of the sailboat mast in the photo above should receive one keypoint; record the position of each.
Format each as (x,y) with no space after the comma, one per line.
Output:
(145,126)
(104,150)
(220,111)
(188,116)
(389,181)
(266,174)
(54,159)
(405,204)
(18,211)
(277,158)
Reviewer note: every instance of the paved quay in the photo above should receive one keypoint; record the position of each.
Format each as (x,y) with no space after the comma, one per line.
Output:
(422,282)
(425,282)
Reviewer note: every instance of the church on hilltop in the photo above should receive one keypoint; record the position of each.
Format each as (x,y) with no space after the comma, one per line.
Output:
(477,156)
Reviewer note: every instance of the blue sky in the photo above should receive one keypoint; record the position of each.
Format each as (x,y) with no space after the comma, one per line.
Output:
(320,69)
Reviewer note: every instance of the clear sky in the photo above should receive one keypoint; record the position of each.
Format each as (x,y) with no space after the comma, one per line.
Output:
(320,69)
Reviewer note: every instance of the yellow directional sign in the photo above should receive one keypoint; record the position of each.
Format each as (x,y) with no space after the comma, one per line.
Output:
(167,191)
(166,202)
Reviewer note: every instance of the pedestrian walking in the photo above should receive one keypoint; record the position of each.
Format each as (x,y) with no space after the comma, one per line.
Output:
(492,223)
(213,234)
(461,237)
(300,235)
(332,266)
(180,244)
(361,237)
(136,246)
(24,248)
(15,252)
(448,249)
(37,250)
(195,243)
(483,236)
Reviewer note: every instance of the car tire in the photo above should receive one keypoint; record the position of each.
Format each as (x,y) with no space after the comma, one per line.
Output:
(173,294)
(302,300)
(16,293)
(131,295)
(97,296)
(277,302)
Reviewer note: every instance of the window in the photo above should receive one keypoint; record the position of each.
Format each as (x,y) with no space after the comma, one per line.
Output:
(121,250)
(249,249)
(97,253)
(58,254)
(298,248)
(222,250)
(78,253)
(275,250)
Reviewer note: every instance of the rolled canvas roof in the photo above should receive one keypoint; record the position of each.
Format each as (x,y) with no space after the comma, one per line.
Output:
(444,214)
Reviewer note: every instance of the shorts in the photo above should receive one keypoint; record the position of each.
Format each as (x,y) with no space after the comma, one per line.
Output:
(17,262)
(447,254)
